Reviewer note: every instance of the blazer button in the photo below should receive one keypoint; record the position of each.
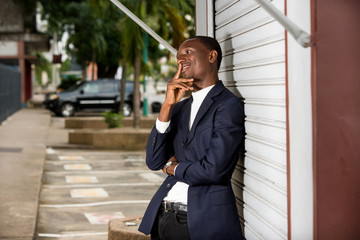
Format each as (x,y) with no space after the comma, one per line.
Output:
(168,185)
(182,144)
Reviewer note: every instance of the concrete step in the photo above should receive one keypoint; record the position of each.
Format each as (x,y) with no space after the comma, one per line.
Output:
(99,123)
(125,139)
(126,229)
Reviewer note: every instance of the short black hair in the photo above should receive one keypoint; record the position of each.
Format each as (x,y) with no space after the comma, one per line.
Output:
(211,44)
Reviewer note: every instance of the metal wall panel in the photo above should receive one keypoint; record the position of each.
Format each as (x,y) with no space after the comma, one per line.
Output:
(10,91)
(253,66)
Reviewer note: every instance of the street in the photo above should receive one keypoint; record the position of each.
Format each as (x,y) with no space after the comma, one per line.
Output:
(83,189)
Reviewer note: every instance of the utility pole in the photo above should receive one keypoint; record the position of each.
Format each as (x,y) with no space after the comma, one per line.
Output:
(145,58)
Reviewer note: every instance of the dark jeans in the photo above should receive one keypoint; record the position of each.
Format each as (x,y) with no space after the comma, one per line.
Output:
(170,226)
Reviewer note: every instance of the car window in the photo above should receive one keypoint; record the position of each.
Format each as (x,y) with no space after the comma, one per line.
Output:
(107,87)
(75,86)
(129,87)
(91,87)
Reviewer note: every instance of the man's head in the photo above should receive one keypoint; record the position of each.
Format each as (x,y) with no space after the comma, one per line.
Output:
(200,59)
(211,44)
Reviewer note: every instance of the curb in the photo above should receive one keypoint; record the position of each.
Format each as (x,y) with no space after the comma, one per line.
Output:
(127,139)
(126,229)
(99,123)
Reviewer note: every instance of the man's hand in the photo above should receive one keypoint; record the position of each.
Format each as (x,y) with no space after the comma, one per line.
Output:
(177,87)
(174,92)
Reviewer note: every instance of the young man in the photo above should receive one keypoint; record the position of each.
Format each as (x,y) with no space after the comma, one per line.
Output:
(197,143)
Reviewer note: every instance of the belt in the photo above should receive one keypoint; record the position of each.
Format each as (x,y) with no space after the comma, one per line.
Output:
(173,207)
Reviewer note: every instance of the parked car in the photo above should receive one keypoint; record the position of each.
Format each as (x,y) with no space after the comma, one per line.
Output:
(99,95)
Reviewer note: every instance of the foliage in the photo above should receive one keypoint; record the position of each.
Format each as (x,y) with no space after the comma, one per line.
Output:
(92,37)
(101,33)
(91,26)
(56,14)
(98,30)
(65,66)
(66,83)
(113,119)
(162,17)
(43,66)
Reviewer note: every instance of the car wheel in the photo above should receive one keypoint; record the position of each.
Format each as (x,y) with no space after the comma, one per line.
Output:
(67,109)
(126,110)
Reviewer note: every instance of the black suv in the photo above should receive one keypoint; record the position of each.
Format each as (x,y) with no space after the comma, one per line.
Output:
(99,95)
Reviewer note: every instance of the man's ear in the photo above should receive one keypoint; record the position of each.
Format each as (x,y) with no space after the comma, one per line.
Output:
(213,56)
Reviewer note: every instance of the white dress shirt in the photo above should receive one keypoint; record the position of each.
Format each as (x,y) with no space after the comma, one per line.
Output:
(178,192)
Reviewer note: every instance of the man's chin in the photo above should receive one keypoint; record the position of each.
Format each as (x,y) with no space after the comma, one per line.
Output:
(186,75)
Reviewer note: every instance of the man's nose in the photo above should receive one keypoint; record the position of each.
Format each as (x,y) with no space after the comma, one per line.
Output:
(180,58)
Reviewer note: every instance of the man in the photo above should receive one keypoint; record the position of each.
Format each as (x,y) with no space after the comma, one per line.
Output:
(196,142)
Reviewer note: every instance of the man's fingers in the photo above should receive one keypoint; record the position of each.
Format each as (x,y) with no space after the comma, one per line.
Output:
(183,80)
(181,85)
(177,75)
(187,81)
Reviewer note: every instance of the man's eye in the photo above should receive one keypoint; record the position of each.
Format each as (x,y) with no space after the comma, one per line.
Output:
(188,51)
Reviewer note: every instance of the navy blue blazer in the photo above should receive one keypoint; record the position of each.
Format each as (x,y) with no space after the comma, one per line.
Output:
(207,157)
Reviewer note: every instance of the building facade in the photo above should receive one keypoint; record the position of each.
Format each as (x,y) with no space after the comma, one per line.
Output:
(18,40)
(297,179)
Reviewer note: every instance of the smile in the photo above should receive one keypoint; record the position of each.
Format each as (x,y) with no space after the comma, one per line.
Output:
(185,66)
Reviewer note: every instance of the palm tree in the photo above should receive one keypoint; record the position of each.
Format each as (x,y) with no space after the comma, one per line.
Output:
(88,36)
(132,47)
(164,17)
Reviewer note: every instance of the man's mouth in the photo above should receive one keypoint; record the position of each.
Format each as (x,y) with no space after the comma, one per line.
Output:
(185,65)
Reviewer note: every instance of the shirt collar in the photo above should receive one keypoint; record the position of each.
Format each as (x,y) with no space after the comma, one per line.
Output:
(200,95)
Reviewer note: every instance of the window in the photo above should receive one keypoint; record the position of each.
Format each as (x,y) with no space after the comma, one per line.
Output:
(91,87)
(107,87)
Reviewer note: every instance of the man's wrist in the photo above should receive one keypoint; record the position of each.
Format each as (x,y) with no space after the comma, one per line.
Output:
(167,165)
(164,115)
(170,167)
(161,127)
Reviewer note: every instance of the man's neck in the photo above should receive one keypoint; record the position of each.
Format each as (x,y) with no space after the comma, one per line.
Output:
(201,84)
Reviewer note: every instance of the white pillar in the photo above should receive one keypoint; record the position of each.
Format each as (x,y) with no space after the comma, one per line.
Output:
(300,126)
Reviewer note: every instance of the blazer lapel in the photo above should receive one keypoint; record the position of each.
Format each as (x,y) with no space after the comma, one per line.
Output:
(185,118)
(206,104)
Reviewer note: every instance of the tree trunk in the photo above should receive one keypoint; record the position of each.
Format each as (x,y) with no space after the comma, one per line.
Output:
(136,99)
(122,87)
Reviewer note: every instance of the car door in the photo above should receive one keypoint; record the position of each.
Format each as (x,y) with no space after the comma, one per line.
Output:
(88,97)
(108,94)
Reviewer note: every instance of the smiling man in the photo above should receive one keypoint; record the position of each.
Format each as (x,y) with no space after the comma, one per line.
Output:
(196,142)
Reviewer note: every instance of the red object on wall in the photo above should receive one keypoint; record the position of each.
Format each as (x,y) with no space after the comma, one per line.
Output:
(56,58)
(336,116)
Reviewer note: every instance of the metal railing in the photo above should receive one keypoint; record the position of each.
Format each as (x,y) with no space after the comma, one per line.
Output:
(10,91)
(144,26)
(302,37)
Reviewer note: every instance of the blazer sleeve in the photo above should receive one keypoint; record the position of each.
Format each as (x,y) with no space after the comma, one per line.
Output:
(158,149)
(222,154)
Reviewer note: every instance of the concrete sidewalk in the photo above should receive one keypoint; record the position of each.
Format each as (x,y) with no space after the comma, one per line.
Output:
(23,139)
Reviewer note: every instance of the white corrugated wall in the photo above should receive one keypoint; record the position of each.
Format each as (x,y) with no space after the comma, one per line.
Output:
(253,45)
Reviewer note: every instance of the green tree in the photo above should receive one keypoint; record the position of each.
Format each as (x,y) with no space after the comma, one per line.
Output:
(85,37)
(91,28)
(43,66)
(164,18)
(102,33)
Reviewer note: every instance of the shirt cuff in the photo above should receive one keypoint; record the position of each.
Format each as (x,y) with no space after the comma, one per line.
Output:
(161,127)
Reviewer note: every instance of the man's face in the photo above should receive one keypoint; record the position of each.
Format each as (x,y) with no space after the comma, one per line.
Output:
(194,58)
